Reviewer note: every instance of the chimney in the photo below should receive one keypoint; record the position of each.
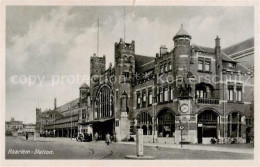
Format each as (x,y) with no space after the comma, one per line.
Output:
(12,119)
(55,103)
(217,46)
(163,50)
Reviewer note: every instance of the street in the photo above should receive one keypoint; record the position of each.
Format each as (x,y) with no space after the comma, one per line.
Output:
(65,148)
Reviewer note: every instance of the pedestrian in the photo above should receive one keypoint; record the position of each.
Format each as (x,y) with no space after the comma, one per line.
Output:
(108,140)
(96,136)
(26,135)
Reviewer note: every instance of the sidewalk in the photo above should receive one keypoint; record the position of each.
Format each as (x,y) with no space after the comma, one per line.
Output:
(234,148)
(219,147)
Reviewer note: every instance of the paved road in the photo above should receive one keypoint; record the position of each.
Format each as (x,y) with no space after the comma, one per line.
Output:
(71,149)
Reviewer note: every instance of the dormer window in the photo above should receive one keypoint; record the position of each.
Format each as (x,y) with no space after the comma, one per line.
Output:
(231,65)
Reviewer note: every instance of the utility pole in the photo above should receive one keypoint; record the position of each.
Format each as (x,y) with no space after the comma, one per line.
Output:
(98,39)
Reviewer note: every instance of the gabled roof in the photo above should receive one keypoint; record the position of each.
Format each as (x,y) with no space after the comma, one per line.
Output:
(224,57)
(249,43)
(143,63)
(68,105)
(203,49)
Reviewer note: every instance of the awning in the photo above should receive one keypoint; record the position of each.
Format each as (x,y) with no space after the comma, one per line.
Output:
(100,120)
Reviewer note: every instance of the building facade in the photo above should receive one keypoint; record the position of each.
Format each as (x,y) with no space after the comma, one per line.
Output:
(13,125)
(188,94)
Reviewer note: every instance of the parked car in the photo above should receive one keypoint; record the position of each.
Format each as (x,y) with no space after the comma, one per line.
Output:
(84,137)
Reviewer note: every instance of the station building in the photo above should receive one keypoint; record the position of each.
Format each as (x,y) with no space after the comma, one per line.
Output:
(189,94)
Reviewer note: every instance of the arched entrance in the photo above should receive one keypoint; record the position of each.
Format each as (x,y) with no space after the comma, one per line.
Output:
(207,125)
(166,123)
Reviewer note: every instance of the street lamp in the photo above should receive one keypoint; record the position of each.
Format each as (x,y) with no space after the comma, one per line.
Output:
(71,124)
(54,125)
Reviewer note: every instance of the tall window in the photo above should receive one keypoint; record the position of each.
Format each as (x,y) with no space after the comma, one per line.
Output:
(104,102)
(84,114)
(116,94)
(234,125)
(161,95)
(144,120)
(138,99)
(166,94)
(161,69)
(200,64)
(204,64)
(239,93)
(144,98)
(171,93)
(150,97)
(207,64)
(165,68)
(170,66)
(230,92)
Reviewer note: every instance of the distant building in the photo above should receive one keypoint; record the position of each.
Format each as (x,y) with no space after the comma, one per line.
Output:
(13,125)
(29,128)
(62,120)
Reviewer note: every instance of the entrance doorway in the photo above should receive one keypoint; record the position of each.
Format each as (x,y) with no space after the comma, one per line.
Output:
(166,123)
(102,128)
(207,125)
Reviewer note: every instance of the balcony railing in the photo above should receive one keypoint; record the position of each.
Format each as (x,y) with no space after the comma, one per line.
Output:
(207,101)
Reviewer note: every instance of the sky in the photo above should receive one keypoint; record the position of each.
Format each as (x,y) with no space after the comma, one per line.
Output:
(48,48)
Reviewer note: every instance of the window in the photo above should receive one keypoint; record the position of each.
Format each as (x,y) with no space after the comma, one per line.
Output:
(161,95)
(207,65)
(170,66)
(230,93)
(204,64)
(138,99)
(104,102)
(116,94)
(165,68)
(117,123)
(125,74)
(144,98)
(83,114)
(144,120)
(171,93)
(150,97)
(161,69)
(166,94)
(239,93)
(200,65)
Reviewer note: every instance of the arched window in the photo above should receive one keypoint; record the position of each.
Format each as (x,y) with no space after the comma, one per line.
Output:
(144,120)
(234,124)
(104,103)
(204,90)
(166,123)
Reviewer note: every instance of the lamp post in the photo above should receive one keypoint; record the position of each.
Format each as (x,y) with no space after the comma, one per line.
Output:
(54,126)
(71,124)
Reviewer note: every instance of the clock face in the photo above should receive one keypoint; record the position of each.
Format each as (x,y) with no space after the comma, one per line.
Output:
(184,108)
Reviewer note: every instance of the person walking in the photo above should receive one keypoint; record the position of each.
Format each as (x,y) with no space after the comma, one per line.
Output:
(108,140)
(26,136)
(96,136)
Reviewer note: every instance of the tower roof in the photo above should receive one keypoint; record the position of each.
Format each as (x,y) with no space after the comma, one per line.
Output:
(182,32)
(84,85)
